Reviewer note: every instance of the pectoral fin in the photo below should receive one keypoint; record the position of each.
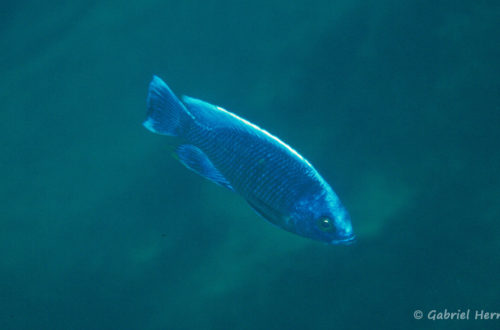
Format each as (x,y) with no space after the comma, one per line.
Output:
(266,211)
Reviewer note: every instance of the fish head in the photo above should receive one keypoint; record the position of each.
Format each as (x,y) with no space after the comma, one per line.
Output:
(322,217)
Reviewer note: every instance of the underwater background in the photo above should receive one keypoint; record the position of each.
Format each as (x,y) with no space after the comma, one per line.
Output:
(396,103)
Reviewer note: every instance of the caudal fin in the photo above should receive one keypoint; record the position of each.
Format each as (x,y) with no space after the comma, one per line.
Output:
(166,113)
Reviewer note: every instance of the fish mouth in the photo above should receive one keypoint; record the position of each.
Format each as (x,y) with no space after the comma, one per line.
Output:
(345,241)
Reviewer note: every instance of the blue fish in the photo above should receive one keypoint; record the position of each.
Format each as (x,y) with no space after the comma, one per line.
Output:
(277,182)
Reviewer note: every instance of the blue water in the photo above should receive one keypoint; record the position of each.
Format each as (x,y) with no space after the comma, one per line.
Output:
(395,103)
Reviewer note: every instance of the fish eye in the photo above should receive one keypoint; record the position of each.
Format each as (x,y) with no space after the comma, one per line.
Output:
(325,224)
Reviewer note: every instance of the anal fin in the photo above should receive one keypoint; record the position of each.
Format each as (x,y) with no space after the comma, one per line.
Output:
(197,161)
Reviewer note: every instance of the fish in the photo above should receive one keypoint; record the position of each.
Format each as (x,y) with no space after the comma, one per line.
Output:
(276,181)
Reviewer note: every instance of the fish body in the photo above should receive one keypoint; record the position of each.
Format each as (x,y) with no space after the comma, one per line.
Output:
(277,182)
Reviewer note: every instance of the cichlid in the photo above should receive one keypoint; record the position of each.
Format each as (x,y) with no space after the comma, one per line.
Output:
(277,182)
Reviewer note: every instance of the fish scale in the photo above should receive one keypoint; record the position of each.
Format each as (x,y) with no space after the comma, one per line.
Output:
(273,186)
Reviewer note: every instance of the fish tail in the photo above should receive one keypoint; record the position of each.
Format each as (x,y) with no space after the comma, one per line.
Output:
(166,114)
